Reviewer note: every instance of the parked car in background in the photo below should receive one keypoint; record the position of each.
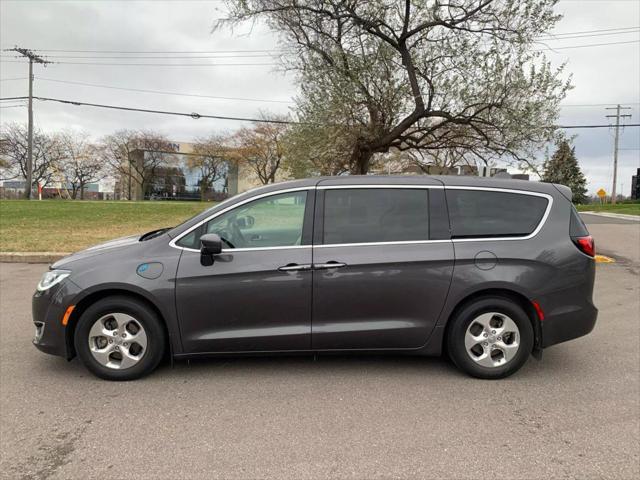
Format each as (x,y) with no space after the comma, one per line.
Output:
(488,271)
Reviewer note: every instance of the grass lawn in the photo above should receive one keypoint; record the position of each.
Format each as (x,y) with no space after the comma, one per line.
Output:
(626,208)
(67,225)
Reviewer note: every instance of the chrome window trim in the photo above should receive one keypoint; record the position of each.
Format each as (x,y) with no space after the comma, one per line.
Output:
(373,244)
(172,243)
(351,187)
(366,244)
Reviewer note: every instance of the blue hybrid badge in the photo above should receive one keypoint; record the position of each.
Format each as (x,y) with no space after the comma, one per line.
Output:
(150,270)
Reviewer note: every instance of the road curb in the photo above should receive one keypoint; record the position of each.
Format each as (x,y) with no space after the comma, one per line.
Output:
(622,216)
(31,257)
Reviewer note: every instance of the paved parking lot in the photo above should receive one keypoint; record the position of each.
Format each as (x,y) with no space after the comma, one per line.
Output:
(575,414)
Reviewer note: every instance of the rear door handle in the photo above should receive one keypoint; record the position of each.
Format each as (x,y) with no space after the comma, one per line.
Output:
(328,265)
(294,267)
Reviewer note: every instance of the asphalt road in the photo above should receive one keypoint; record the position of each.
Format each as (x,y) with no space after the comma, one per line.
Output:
(575,414)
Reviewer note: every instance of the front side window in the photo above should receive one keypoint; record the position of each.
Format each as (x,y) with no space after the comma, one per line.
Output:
(273,221)
(361,215)
(481,213)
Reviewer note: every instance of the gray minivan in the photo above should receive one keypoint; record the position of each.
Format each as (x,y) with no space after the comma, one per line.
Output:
(487,270)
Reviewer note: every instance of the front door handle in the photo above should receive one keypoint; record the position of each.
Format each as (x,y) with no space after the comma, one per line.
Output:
(328,265)
(294,267)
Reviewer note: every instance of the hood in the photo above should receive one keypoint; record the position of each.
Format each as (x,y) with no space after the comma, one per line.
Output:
(98,249)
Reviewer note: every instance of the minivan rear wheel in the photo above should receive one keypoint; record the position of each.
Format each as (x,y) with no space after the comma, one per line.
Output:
(490,338)
(119,338)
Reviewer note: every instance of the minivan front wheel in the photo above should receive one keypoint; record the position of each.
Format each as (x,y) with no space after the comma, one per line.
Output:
(490,338)
(119,338)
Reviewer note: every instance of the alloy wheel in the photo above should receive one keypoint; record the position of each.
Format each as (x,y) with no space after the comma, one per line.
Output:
(117,341)
(492,339)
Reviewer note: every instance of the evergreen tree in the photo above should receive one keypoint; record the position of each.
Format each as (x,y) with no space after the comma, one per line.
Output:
(563,168)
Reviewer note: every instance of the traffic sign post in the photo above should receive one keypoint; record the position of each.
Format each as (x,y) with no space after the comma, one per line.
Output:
(602,194)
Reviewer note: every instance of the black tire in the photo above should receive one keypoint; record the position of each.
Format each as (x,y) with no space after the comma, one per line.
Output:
(463,319)
(145,316)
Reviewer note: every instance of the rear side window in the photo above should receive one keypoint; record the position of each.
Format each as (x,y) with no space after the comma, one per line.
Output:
(375,215)
(481,213)
(577,228)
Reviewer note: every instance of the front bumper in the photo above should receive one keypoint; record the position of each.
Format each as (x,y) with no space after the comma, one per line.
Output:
(47,310)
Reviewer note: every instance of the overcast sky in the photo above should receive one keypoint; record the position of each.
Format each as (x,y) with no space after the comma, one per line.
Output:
(608,74)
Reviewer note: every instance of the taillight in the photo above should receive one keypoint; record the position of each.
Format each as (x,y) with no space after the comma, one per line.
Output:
(586,245)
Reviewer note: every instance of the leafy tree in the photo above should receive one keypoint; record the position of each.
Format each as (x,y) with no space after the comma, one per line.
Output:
(210,160)
(415,75)
(563,168)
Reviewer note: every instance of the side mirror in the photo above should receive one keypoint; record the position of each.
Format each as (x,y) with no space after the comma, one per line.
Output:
(210,244)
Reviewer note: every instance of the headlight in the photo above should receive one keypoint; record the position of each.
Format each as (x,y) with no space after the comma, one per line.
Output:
(50,278)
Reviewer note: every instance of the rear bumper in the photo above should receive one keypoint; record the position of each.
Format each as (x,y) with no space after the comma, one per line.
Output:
(561,327)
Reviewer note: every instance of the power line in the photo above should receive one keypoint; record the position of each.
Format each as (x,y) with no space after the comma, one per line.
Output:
(153,52)
(195,95)
(160,51)
(590,35)
(595,31)
(196,116)
(571,105)
(164,57)
(269,64)
(113,64)
(158,64)
(161,92)
(193,115)
(13,78)
(257,54)
(587,45)
(595,126)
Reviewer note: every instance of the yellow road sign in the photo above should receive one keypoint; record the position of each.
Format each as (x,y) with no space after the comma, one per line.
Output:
(601,193)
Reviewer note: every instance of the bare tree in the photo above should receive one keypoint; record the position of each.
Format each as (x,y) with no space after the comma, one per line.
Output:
(82,163)
(210,160)
(135,156)
(409,74)
(47,154)
(262,148)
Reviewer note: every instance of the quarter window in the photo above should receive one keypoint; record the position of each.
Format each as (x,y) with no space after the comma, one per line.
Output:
(273,221)
(375,215)
(478,213)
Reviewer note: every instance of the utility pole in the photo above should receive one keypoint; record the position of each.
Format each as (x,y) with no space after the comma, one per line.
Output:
(33,58)
(615,146)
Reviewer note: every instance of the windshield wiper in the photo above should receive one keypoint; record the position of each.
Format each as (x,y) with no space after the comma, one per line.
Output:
(154,233)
